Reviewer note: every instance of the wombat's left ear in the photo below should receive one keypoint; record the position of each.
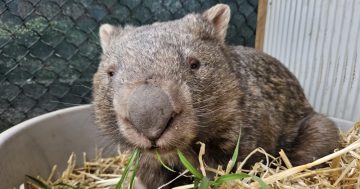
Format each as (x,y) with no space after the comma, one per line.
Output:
(105,33)
(219,16)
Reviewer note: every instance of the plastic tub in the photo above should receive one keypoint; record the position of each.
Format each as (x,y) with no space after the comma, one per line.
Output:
(34,146)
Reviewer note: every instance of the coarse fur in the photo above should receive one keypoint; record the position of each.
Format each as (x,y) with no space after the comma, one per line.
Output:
(234,88)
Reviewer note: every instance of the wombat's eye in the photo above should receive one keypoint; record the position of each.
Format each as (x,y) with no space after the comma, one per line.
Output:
(194,63)
(110,73)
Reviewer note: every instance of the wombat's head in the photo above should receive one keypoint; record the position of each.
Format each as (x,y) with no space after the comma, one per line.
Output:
(164,85)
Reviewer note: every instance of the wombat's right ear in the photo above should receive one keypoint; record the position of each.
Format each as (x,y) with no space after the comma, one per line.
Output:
(105,32)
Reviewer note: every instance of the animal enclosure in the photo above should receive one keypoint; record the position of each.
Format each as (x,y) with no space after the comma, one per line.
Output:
(319,41)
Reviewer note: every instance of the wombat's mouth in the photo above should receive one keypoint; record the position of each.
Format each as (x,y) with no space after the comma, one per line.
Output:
(164,143)
(154,145)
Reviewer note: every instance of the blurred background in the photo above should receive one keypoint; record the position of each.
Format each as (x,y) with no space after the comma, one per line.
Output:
(49,49)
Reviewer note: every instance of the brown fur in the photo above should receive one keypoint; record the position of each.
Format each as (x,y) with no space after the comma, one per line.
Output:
(234,88)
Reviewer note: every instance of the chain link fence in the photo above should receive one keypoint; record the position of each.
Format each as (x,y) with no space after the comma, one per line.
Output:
(49,49)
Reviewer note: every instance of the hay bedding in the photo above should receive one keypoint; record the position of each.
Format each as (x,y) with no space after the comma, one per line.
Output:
(342,170)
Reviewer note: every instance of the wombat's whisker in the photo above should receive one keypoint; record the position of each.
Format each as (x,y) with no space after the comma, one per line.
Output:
(176,142)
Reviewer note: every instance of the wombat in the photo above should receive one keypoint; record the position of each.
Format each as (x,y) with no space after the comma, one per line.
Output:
(168,85)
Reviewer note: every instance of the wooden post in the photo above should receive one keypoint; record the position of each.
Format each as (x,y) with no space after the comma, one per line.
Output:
(260,25)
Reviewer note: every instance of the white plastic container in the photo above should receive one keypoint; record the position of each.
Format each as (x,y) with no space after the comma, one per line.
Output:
(34,146)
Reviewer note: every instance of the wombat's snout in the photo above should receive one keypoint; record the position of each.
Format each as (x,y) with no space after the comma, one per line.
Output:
(150,110)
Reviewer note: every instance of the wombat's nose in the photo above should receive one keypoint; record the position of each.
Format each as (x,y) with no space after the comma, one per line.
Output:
(150,110)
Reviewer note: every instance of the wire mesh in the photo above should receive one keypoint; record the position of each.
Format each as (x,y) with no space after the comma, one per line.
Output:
(49,49)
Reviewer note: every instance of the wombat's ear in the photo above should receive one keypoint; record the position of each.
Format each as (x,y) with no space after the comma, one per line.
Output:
(105,32)
(219,16)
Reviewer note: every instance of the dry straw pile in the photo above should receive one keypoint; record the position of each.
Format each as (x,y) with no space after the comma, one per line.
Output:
(342,170)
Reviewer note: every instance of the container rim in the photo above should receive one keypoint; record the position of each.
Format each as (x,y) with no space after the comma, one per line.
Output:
(7,134)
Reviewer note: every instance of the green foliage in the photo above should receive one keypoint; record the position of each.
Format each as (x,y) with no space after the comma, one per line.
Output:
(235,154)
(189,166)
(162,163)
(38,182)
(132,179)
(203,182)
(135,156)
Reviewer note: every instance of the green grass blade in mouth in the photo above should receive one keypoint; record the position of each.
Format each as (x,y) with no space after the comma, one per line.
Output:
(134,155)
(158,157)
(132,180)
